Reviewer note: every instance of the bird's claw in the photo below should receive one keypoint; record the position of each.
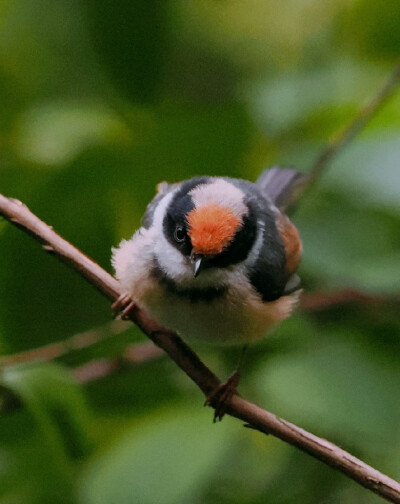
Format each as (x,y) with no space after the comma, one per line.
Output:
(123,306)
(221,395)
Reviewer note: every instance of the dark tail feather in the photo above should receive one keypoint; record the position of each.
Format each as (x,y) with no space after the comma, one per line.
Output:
(280,185)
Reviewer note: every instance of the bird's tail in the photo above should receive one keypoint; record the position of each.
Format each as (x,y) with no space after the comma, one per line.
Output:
(281,185)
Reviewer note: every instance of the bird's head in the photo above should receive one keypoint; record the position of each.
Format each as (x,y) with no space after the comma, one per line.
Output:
(210,223)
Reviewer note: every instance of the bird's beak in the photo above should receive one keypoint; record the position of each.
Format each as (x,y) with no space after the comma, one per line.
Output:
(196,260)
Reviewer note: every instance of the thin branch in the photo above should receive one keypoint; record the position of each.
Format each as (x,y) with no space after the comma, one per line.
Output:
(318,301)
(142,352)
(96,370)
(344,136)
(62,348)
(101,368)
(189,362)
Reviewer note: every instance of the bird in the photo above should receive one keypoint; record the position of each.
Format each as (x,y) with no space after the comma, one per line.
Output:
(215,260)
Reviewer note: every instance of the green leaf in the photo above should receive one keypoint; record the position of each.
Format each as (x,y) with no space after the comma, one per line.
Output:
(130,39)
(348,244)
(166,458)
(369,169)
(41,440)
(55,133)
(57,406)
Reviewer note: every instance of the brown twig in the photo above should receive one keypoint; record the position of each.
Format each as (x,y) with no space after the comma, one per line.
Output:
(346,134)
(317,301)
(189,362)
(96,370)
(101,368)
(61,348)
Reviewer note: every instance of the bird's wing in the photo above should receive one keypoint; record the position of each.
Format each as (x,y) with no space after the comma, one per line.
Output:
(292,285)
(280,185)
(291,241)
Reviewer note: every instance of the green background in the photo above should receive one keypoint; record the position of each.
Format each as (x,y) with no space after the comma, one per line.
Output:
(99,102)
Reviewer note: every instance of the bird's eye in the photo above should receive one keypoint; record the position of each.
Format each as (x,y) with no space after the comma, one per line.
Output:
(180,234)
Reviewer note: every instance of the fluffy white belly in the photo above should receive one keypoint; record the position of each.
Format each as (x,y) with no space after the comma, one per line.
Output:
(236,316)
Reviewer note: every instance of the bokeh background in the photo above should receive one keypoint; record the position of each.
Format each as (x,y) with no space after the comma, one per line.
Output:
(99,102)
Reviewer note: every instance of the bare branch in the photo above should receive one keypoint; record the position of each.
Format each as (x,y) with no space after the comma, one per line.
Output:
(344,136)
(101,368)
(189,362)
(317,301)
(61,348)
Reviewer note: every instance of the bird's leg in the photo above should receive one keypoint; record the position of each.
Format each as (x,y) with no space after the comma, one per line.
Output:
(123,306)
(222,394)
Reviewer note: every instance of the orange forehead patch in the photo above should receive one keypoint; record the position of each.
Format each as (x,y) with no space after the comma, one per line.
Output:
(211,228)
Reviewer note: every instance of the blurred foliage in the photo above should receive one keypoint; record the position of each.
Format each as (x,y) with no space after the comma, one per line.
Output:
(102,101)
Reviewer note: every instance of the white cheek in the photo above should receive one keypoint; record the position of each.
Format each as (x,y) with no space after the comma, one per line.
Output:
(171,261)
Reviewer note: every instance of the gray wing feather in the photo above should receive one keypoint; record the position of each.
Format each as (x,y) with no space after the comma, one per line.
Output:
(292,285)
(280,185)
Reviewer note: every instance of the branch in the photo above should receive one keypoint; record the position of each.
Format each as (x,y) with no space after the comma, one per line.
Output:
(101,368)
(189,362)
(318,301)
(61,348)
(97,368)
(344,136)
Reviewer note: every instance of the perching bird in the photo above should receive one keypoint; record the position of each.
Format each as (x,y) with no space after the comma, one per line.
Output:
(215,258)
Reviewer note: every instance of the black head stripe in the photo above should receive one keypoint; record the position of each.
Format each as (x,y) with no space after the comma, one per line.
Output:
(162,189)
(240,246)
(179,207)
(147,219)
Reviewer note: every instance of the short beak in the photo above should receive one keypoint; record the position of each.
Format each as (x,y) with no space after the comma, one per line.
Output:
(196,261)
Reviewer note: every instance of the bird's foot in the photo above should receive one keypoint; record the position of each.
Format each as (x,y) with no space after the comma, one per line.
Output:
(221,395)
(123,306)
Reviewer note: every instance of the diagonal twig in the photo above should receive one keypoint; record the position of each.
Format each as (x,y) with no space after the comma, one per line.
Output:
(190,363)
(344,136)
(61,348)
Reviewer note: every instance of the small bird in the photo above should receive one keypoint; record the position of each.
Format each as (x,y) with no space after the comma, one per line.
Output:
(215,259)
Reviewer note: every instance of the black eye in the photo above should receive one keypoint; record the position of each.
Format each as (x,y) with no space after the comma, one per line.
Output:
(180,234)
